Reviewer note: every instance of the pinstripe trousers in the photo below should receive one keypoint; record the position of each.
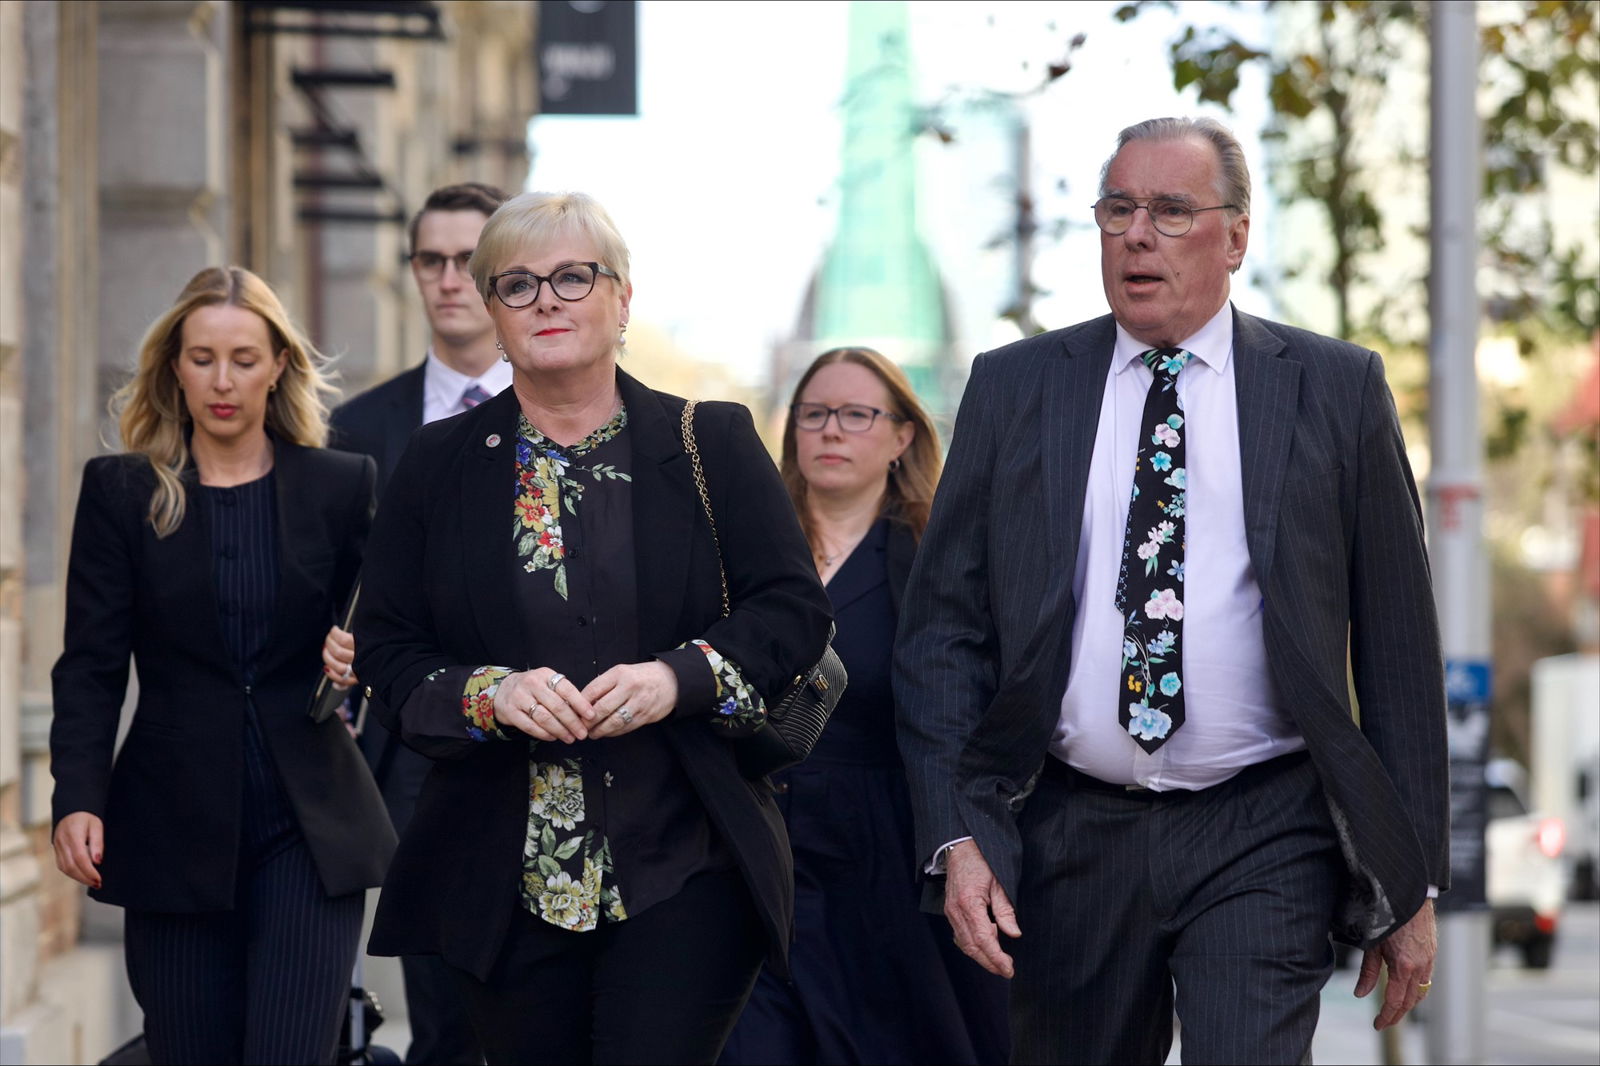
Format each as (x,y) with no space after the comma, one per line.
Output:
(1214,904)
(266,982)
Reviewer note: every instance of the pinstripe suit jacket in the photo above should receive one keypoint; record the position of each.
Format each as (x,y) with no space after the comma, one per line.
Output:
(1334,529)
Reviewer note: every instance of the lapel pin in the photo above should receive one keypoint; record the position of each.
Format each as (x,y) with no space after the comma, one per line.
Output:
(492,440)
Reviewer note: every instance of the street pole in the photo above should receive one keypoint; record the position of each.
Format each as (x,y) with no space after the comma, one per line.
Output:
(1455,1009)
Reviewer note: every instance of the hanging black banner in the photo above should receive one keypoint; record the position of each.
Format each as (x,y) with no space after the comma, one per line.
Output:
(588,53)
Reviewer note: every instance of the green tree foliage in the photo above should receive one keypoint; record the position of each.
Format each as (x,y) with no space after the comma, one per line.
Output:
(1540,78)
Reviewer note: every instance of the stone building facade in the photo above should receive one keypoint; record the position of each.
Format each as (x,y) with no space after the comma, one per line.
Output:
(141,140)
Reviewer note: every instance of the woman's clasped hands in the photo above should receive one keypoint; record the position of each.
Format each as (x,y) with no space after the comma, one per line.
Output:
(546,704)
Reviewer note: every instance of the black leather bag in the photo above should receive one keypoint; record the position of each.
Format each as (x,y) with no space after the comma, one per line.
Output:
(796,720)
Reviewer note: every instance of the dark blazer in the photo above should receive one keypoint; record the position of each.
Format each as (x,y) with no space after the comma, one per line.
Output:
(437,593)
(1334,531)
(378,422)
(171,798)
(900,553)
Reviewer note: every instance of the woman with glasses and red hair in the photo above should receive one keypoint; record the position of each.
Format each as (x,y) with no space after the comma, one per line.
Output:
(542,614)
(872,979)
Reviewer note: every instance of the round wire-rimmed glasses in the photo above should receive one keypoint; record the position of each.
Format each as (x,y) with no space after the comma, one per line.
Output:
(1172,218)
(570,281)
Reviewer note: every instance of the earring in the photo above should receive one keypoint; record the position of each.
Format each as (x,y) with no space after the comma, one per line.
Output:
(273,387)
(894,464)
(504,357)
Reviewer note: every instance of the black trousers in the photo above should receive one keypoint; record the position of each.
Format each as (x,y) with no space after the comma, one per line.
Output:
(266,982)
(664,986)
(1213,903)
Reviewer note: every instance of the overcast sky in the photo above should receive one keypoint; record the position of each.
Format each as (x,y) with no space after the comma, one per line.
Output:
(734,155)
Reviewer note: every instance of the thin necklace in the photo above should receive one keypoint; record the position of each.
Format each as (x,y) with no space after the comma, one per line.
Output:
(828,560)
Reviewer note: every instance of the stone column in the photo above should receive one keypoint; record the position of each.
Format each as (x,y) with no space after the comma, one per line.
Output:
(19,871)
(163,159)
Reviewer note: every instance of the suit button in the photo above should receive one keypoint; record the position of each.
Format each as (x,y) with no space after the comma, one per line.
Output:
(369,692)
(781,787)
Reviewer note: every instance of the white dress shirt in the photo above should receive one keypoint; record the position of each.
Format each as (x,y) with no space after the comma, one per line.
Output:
(1233,717)
(443,385)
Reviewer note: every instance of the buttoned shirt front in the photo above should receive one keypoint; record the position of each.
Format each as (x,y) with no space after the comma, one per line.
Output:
(1234,716)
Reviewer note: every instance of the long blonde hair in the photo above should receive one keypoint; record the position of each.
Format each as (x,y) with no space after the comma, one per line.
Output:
(908,496)
(150,411)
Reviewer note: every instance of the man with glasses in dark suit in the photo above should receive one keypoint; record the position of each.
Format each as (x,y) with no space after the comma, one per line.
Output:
(462,369)
(1160,538)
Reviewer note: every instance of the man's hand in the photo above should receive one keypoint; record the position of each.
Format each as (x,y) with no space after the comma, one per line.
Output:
(976,905)
(1408,953)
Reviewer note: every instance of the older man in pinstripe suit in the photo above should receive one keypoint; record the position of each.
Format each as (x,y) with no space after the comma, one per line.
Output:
(1162,539)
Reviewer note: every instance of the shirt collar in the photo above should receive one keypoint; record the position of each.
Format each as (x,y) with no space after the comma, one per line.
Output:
(449,383)
(1212,344)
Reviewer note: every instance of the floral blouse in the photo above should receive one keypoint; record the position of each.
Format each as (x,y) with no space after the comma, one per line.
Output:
(569,874)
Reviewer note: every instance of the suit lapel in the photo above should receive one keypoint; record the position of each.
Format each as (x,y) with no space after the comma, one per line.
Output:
(408,409)
(854,580)
(1267,384)
(485,517)
(666,507)
(1074,382)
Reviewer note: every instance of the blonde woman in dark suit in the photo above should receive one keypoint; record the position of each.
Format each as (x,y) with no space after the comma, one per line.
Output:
(237,833)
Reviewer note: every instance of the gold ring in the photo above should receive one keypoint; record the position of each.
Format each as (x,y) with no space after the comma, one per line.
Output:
(1424,986)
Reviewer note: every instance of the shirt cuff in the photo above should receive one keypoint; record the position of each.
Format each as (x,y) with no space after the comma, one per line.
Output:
(1433,891)
(477,701)
(936,866)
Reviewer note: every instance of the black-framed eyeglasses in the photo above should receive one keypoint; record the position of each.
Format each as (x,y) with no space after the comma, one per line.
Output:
(571,282)
(1172,218)
(431,264)
(853,417)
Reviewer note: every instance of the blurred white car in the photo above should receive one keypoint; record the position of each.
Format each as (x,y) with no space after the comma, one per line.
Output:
(1526,883)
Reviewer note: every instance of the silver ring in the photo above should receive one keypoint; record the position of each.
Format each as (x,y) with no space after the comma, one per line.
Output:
(625,714)
(555,679)
(347,673)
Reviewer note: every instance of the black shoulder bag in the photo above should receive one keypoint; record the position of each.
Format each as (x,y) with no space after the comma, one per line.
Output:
(795,722)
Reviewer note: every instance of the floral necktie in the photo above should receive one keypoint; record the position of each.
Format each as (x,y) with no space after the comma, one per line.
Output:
(1150,586)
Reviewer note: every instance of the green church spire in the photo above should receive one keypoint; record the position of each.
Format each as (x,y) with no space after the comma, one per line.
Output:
(878,285)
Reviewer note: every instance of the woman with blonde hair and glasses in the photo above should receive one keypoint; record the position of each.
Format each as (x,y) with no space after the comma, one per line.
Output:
(237,833)
(543,615)
(873,979)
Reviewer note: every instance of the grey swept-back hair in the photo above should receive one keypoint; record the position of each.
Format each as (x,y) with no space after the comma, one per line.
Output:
(1233,183)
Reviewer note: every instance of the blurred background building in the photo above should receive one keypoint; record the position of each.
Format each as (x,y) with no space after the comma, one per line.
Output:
(139,142)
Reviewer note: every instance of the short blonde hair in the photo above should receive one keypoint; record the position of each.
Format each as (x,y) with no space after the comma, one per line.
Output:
(535,219)
(150,411)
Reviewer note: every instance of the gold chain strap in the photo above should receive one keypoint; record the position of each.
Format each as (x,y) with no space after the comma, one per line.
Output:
(693,449)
